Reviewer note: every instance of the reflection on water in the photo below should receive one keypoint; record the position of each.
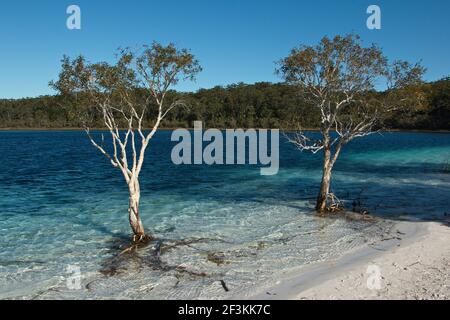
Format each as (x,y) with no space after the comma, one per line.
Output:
(62,204)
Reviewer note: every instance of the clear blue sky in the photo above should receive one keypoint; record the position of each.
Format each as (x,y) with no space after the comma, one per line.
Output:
(235,40)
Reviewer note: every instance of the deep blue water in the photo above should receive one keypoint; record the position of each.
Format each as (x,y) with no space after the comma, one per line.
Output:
(63,204)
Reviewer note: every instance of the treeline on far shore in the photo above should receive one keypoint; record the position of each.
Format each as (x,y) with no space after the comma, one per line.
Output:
(260,105)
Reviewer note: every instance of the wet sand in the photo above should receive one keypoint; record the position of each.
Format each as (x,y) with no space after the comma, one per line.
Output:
(412,263)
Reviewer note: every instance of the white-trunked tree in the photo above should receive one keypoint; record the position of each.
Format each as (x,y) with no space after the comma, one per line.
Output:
(124,95)
(339,76)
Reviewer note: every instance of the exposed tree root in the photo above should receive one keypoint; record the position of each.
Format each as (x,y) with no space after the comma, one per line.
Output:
(335,208)
(137,257)
(138,242)
(142,239)
(184,270)
(184,242)
(352,216)
(334,204)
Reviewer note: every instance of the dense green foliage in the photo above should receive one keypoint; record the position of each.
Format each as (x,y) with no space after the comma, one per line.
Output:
(433,115)
(239,105)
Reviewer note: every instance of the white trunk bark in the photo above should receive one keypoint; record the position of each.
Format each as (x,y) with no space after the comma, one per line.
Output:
(133,209)
(324,187)
(328,164)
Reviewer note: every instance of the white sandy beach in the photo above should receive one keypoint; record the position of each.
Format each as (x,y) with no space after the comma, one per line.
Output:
(413,263)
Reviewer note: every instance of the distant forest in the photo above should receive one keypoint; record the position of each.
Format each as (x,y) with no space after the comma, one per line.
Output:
(260,105)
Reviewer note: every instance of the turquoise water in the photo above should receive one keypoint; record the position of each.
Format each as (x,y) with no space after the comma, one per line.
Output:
(63,204)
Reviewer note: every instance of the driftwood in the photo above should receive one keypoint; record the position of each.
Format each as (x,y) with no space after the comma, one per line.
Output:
(224,286)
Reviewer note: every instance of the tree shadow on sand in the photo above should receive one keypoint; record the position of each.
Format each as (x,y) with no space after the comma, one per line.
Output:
(129,256)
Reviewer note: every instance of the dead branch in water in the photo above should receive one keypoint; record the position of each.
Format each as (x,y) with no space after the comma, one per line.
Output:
(224,286)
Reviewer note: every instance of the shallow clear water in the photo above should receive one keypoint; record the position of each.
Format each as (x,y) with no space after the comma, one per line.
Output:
(63,204)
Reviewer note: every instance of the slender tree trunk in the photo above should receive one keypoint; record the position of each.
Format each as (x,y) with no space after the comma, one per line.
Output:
(321,204)
(133,210)
(328,163)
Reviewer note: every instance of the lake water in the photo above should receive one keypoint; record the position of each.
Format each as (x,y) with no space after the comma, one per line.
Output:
(62,204)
